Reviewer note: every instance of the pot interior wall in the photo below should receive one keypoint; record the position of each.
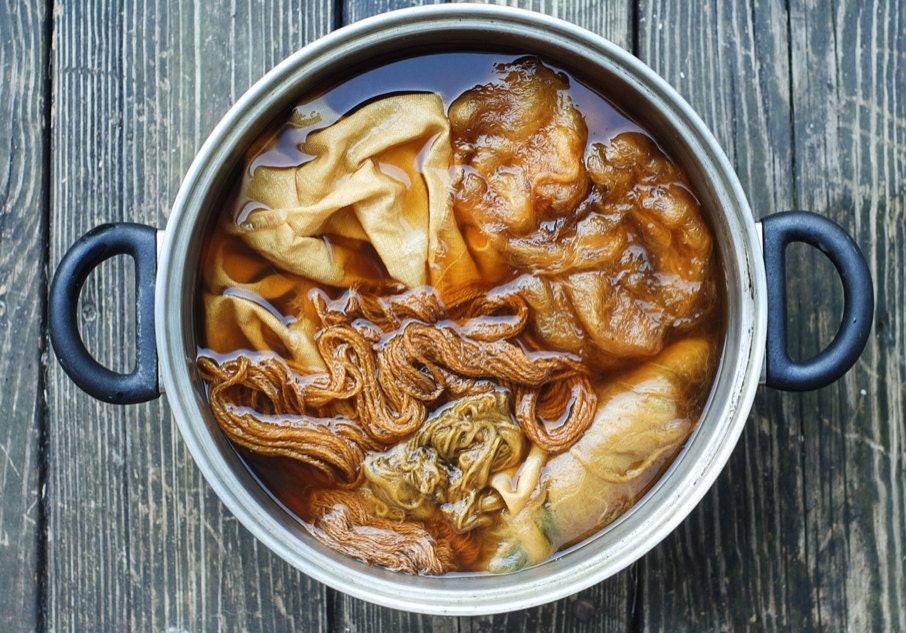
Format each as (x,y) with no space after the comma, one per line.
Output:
(630,87)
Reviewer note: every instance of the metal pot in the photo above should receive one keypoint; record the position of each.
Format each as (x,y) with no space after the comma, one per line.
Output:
(754,349)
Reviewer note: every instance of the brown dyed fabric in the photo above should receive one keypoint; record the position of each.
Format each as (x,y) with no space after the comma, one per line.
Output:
(372,201)
(615,253)
(418,312)
(272,408)
(251,306)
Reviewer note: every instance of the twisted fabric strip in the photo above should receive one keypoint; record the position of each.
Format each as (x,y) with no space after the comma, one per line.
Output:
(260,405)
(346,522)
(390,359)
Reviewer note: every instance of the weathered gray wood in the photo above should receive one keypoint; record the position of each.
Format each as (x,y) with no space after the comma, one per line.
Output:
(849,123)
(355,10)
(136,539)
(805,528)
(23,243)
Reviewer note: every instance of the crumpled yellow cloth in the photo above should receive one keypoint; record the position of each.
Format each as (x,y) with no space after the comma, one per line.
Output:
(249,305)
(378,182)
(380,175)
(643,419)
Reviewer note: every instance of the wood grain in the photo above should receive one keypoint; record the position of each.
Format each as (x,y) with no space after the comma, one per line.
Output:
(805,529)
(136,540)
(23,245)
(849,126)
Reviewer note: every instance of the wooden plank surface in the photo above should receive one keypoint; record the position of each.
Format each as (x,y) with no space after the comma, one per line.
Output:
(23,246)
(805,528)
(848,74)
(136,540)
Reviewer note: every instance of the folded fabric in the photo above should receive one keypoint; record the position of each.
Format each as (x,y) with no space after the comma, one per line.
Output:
(250,306)
(379,177)
(374,199)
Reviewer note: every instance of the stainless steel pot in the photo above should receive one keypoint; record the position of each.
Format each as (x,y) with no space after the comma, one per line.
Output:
(754,350)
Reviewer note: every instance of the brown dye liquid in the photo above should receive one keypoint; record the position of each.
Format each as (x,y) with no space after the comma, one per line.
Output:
(448,75)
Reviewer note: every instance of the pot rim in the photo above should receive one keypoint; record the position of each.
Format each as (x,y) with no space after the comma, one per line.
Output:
(657,514)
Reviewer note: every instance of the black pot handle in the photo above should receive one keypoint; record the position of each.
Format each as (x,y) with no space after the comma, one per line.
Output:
(139,242)
(782,372)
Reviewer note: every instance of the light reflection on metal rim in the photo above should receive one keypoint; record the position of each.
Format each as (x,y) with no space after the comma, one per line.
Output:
(632,86)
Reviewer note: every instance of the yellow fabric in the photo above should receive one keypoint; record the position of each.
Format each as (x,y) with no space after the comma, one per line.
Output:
(516,485)
(249,305)
(381,175)
(642,421)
